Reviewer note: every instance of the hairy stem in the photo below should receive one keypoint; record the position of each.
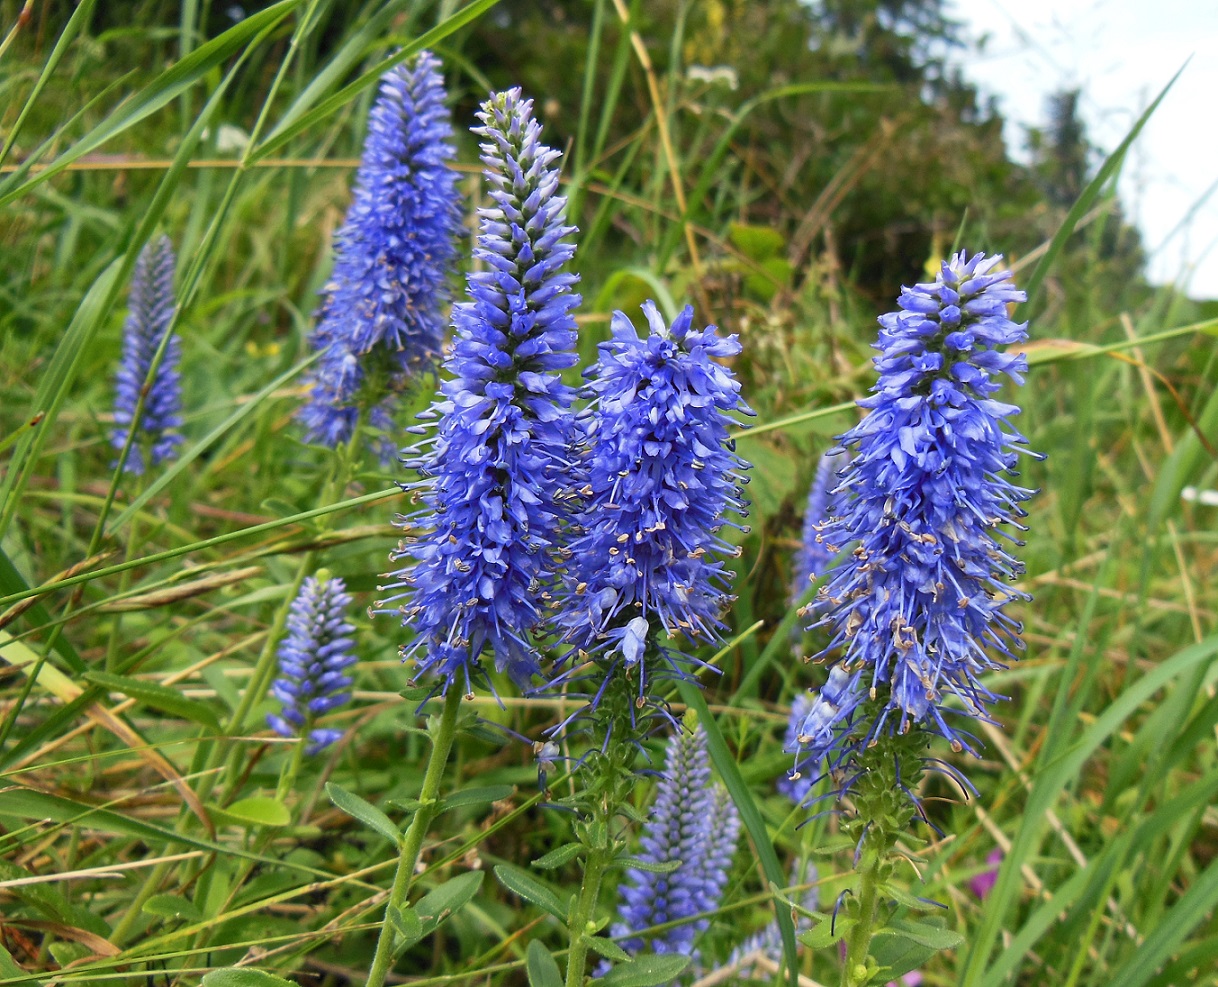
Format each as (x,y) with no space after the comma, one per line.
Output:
(412,843)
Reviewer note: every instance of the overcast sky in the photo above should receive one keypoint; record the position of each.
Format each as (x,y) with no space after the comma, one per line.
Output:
(1121,53)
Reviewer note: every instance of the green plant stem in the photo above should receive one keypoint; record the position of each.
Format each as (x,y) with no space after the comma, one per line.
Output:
(581,924)
(412,843)
(858,944)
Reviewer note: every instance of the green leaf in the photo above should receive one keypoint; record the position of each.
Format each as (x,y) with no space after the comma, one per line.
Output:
(365,812)
(922,933)
(651,866)
(477,796)
(440,904)
(543,971)
(903,946)
(558,856)
(408,926)
(415,693)
(162,697)
(526,886)
(9,969)
(757,243)
(607,948)
(825,934)
(244,977)
(646,971)
(257,810)
(172,906)
(834,846)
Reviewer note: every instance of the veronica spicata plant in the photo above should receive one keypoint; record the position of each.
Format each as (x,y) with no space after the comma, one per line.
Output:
(662,480)
(150,312)
(694,824)
(384,313)
(495,475)
(923,513)
(313,662)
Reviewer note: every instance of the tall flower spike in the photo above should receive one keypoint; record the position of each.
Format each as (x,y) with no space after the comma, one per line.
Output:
(694,824)
(495,477)
(917,607)
(384,311)
(313,659)
(150,311)
(661,480)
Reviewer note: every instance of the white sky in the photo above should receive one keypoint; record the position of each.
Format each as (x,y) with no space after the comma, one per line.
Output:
(1121,53)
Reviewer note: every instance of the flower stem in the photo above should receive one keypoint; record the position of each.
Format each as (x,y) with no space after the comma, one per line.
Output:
(855,973)
(412,843)
(581,924)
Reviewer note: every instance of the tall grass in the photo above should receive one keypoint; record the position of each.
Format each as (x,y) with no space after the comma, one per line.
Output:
(141,832)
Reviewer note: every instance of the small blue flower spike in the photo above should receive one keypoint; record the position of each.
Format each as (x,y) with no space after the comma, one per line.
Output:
(313,659)
(916,606)
(814,556)
(385,307)
(496,476)
(661,480)
(694,823)
(150,311)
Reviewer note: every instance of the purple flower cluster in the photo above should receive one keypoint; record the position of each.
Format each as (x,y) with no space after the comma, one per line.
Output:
(150,311)
(694,824)
(384,308)
(660,478)
(313,659)
(495,477)
(917,606)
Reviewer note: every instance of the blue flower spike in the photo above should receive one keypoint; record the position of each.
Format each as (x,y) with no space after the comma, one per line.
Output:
(661,482)
(815,556)
(496,474)
(693,823)
(150,312)
(384,312)
(923,514)
(313,660)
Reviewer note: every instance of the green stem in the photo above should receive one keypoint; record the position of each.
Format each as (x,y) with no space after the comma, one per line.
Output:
(582,924)
(858,944)
(412,843)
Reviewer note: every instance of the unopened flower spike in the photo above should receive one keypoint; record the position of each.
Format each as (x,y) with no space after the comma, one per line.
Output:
(496,473)
(385,308)
(313,659)
(150,312)
(662,480)
(693,823)
(923,514)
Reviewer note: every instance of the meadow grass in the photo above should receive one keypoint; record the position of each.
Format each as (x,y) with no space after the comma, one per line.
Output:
(145,832)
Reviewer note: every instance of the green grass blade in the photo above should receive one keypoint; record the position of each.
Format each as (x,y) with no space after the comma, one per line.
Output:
(1087,199)
(302,121)
(750,815)
(176,80)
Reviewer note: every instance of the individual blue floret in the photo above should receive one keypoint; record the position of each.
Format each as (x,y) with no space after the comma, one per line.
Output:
(313,659)
(496,475)
(150,312)
(661,480)
(695,824)
(922,513)
(385,306)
